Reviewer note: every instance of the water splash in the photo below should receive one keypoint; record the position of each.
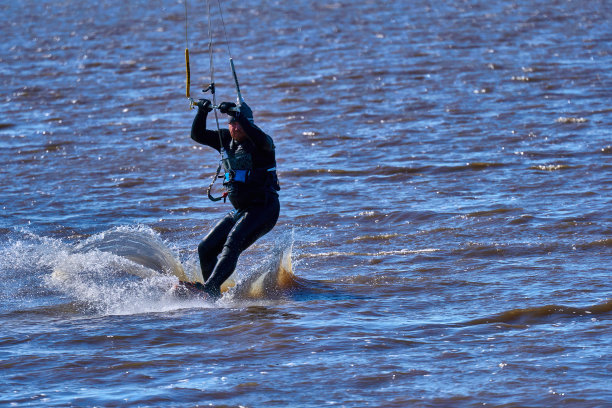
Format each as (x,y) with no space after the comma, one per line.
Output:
(275,279)
(143,247)
(124,270)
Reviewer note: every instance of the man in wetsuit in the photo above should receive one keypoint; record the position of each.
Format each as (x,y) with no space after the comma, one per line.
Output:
(249,164)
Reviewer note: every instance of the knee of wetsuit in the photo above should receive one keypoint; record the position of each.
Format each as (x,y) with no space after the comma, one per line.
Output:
(205,249)
(233,248)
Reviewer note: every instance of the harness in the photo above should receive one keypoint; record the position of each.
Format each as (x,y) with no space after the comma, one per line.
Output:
(243,176)
(238,168)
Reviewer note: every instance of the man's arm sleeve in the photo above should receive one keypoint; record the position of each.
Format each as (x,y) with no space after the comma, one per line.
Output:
(200,134)
(258,136)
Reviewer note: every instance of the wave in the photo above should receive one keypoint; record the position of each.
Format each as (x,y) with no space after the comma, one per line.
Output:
(404,251)
(542,314)
(565,120)
(552,167)
(600,243)
(393,171)
(489,213)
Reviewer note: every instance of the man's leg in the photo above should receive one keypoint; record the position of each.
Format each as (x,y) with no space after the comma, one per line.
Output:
(212,245)
(254,224)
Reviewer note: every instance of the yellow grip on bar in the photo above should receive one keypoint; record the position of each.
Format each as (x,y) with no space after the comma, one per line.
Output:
(188,72)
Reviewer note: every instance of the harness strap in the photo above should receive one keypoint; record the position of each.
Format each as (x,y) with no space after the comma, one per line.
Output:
(208,190)
(243,176)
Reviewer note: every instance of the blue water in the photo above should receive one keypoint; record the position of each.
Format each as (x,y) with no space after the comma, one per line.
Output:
(446,186)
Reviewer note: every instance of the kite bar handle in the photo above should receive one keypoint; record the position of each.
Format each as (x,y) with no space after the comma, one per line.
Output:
(193,102)
(188,72)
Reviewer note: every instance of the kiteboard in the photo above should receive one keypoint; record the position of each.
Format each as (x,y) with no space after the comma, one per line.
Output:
(195,289)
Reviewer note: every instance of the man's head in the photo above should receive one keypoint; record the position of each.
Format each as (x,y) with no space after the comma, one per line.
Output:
(235,128)
(236,131)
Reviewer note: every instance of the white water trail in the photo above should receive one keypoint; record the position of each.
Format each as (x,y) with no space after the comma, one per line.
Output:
(125,270)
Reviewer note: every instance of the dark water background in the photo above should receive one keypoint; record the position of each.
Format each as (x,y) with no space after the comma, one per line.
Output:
(446,174)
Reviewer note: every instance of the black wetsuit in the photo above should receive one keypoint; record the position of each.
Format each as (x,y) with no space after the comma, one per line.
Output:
(255,200)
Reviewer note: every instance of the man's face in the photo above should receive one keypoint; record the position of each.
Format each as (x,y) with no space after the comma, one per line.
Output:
(237,132)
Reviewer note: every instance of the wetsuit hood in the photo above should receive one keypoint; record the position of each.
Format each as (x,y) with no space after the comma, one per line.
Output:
(245,111)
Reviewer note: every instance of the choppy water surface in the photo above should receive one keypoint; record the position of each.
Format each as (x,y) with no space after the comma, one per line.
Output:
(446,175)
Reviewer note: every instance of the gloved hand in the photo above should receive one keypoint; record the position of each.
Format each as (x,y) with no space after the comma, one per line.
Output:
(204,104)
(246,112)
(228,108)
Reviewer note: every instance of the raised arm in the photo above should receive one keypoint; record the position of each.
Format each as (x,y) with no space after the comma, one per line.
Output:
(199,133)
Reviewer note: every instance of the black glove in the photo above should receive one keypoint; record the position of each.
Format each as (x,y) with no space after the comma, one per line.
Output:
(204,104)
(246,112)
(228,108)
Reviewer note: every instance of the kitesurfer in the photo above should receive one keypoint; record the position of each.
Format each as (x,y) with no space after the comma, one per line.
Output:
(249,164)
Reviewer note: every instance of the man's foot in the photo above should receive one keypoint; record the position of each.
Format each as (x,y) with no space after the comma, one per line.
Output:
(186,290)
